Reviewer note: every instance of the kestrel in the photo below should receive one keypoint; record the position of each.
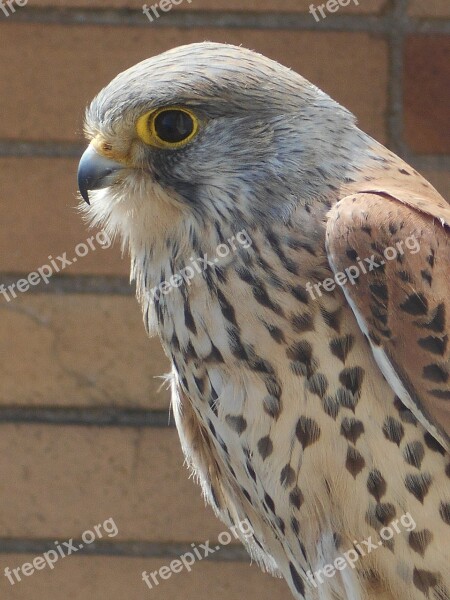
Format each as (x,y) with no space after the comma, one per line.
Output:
(310,379)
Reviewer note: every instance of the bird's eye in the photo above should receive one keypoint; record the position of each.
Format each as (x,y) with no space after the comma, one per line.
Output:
(169,128)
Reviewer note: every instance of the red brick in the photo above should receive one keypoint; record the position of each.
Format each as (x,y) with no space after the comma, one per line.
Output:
(77,61)
(79,350)
(39,219)
(427,93)
(105,578)
(429,8)
(58,482)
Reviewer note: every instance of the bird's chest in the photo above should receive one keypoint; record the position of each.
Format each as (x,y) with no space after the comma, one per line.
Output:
(278,381)
(254,360)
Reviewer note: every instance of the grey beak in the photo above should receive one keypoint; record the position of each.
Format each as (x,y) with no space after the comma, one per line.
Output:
(95,172)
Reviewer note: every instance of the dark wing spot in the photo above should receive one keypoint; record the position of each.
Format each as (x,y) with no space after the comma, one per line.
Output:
(262,297)
(385,513)
(215,356)
(296,497)
(287,476)
(354,463)
(331,406)
(433,444)
(250,470)
(307,431)
(444,511)
(437,322)
(332,319)
(226,308)
(433,344)
(200,383)
(270,503)
(351,253)
(419,540)
(405,276)
(280,524)
(418,485)
(246,275)
(237,348)
(189,319)
(424,580)
(435,373)
(404,413)
(295,526)
(393,430)
(413,453)
(272,405)
(215,498)
(302,322)
(296,580)
(376,484)
(351,429)
(300,354)
(265,447)
(300,294)
(247,495)
(380,291)
(211,428)
(346,398)
(380,314)
(341,346)
(276,333)
(352,378)
(415,304)
(237,423)
(441,394)
(273,386)
(317,384)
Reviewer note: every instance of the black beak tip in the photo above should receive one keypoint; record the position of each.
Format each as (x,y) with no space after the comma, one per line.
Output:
(83,191)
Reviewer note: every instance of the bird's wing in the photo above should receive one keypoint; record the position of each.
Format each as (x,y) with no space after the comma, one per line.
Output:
(403,303)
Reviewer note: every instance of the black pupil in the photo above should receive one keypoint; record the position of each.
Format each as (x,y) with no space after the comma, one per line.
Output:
(174,126)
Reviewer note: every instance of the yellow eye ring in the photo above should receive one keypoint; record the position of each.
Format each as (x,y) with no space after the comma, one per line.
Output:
(169,127)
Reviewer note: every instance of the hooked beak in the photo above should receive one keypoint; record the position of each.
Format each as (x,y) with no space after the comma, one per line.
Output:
(96,172)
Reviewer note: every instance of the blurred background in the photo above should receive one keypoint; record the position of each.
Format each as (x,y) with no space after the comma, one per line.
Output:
(84,432)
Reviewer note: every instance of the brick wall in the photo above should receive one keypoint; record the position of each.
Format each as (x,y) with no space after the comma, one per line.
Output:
(84,432)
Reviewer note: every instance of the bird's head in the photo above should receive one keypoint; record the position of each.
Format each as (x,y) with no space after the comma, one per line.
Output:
(208,133)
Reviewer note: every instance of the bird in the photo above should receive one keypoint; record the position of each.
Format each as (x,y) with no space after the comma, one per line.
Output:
(296,272)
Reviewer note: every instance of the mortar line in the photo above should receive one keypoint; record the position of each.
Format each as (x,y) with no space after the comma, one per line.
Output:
(374,23)
(108,416)
(130,549)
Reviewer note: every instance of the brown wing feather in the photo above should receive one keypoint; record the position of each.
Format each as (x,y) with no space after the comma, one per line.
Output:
(402,304)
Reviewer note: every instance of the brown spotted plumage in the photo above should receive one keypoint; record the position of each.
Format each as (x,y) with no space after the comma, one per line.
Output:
(309,400)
